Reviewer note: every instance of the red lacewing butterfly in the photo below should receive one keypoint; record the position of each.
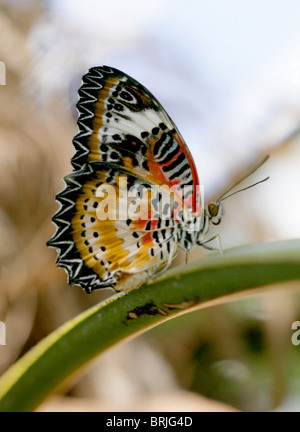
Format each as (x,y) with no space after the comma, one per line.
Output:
(133,197)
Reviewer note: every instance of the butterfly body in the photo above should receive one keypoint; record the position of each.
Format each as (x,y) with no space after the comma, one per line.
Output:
(133,197)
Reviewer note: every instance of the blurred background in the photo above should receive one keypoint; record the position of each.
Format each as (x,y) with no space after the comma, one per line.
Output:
(228,73)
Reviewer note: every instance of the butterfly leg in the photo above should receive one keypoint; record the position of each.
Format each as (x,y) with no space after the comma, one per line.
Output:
(218,238)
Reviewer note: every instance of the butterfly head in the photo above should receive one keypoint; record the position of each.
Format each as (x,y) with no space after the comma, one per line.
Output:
(212,215)
(214,212)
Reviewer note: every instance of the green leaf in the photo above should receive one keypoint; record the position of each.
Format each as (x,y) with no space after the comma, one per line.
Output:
(216,279)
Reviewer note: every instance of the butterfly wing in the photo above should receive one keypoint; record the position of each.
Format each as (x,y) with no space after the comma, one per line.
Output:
(126,141)
(122,123)
(109,227)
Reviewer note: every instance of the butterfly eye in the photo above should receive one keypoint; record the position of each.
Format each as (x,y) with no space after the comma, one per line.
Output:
(213,209)
(215,212)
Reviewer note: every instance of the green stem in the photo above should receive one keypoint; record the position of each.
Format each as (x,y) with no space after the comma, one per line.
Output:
(216,279)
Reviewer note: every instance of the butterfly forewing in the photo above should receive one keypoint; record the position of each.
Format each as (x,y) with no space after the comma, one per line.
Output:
(121,122)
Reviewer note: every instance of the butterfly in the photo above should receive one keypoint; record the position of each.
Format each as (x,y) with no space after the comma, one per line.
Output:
(133,198)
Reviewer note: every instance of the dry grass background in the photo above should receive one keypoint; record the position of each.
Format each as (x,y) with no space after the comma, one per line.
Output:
(35,152)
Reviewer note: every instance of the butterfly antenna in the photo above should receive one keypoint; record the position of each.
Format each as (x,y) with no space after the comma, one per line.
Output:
(249,173)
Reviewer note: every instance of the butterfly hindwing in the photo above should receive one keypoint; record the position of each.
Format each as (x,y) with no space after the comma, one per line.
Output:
(109,225)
